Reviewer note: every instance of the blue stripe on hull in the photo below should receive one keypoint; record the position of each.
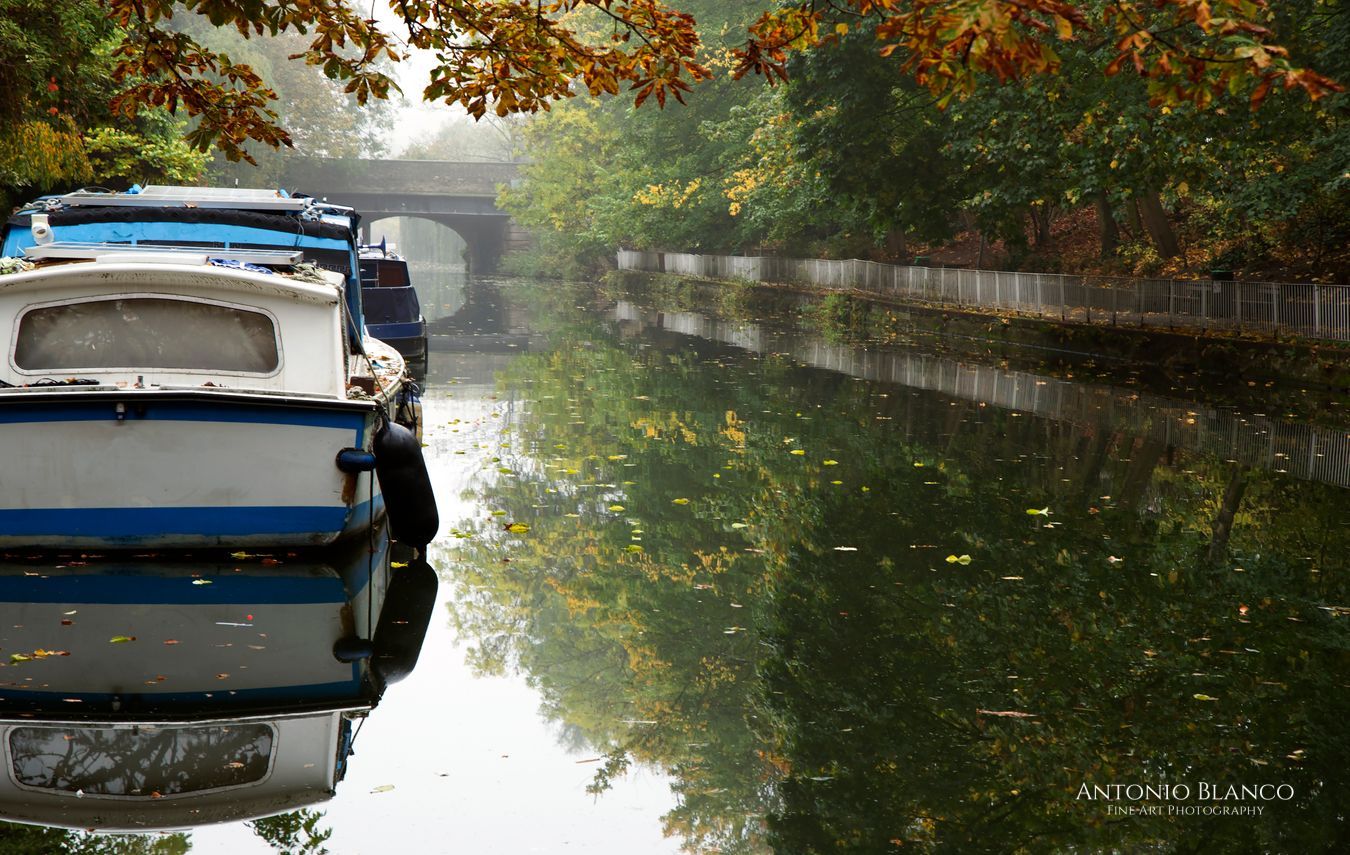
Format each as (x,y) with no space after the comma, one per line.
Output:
(118,523)
(20,412)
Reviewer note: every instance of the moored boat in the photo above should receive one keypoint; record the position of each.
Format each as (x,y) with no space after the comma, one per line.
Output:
(393,311)
(188,368)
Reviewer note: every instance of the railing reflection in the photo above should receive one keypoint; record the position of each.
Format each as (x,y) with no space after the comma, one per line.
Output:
(1307,451)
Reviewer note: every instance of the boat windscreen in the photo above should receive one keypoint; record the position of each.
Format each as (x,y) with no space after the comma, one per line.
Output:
(143,760)
(146,332)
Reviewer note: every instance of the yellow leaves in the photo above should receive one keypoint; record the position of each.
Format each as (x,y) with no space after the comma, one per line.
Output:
(667,195)
(680,501)
(617,508)
(517,527)
(962,559)
(121,639)
(798,452)
(1203,697)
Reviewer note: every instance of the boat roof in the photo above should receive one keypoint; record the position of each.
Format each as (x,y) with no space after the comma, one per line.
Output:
(175,196)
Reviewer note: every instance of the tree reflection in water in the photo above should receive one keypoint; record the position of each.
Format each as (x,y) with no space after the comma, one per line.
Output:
(793,647)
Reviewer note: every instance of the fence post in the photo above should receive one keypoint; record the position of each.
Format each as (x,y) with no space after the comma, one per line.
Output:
(1171,303)
(1317,310)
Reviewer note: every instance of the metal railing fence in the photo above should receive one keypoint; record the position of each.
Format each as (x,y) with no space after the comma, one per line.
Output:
(1302,309)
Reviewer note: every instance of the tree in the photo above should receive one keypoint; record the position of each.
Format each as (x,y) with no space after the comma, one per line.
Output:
(520,57)
(56,127)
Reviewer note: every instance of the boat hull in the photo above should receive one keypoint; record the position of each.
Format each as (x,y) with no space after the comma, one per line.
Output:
(136,469)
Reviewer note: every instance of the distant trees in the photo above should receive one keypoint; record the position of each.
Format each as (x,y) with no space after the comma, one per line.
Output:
(855,155)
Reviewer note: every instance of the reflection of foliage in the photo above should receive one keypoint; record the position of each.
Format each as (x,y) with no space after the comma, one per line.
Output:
(18,839)
(790,645)
(294,833)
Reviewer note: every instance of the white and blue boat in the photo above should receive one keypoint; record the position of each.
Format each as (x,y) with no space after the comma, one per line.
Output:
(186,368)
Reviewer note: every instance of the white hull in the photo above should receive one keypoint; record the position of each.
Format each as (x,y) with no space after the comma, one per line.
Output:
(180,470)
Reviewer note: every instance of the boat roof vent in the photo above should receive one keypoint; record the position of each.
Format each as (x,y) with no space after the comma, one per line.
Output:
(166,253)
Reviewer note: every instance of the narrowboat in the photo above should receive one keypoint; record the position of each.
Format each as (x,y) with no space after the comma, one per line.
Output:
(187,368)
(393,312)
(140,696)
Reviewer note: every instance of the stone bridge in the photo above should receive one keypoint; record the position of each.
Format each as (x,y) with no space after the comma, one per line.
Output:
(460,195)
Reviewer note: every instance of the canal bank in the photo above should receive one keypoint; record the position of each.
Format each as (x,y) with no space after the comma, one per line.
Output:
(854,314)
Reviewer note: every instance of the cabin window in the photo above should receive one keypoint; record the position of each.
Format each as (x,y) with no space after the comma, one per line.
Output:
(141,760)
(146,332)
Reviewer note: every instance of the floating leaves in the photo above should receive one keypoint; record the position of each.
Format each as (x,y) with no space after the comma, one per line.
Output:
(1039,512)
(201,581)
(1203,697)
(382,788)
(962,559)
(633,548)
(617,508)
(680,501)
(121,639)
(516,527)
(798,451)
(828,462)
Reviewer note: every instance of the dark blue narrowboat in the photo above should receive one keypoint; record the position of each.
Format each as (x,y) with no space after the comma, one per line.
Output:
(393,312)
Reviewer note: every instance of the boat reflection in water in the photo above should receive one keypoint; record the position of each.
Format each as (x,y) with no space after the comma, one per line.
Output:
(151,694)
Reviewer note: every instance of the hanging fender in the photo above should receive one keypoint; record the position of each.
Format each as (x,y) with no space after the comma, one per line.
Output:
(408,498)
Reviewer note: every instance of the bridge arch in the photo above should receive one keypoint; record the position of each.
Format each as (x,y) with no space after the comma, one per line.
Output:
(460,195)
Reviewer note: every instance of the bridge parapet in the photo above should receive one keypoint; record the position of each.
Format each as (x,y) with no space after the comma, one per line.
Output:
(334,177)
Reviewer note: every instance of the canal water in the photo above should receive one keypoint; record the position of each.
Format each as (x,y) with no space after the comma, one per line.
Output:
(719,576)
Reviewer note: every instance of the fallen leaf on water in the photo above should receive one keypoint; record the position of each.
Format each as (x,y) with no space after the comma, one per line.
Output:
(517,528)
(1039,512)
(797,451)
(383,788)
(170,641)
(20,657)
(632,547)
(828,462)
(121,639)
(739,525)
(1007,713)
(616,508)
(1200,697)
(398,565)
(846,549)
(962,559)
(201,581)
(680,501)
